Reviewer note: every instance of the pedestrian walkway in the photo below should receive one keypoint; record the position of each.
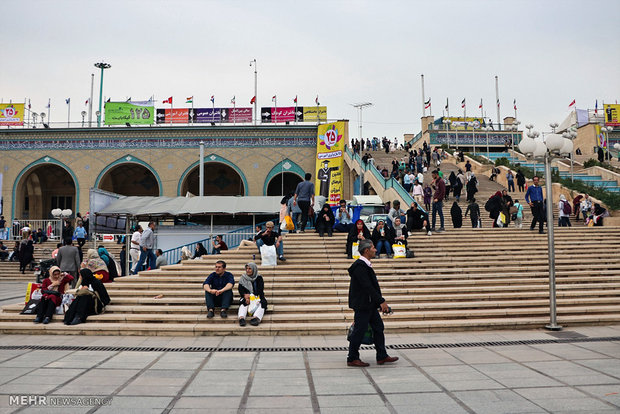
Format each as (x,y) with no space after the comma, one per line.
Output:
(533,371)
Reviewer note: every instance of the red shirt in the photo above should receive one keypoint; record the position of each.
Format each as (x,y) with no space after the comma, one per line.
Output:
(61,289)
(440,189)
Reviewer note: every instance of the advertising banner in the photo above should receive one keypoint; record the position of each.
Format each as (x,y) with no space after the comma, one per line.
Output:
(292,113)
(173,116)
(206,115)
(11,114)
(462,123)
(310,113)
(240,115)
(121,113)
(330,142)
(611,114)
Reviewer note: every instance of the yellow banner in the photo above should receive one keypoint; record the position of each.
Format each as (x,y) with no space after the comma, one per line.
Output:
(612,114)
(310,113)
(330,142)
(12,114)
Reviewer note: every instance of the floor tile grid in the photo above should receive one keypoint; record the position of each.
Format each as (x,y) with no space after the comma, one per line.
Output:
(437,383)
(313,397)
(379,392)
(555,378)
(248,386)
(189,381)
(17,356)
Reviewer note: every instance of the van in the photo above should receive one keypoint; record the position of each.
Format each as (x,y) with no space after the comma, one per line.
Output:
(371,204)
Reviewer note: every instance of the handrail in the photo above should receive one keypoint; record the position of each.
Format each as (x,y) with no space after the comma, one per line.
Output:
(416,138)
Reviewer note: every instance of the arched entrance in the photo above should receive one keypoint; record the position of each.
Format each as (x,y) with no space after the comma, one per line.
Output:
(129,179)
(275,187)
(219,180)
(43,188)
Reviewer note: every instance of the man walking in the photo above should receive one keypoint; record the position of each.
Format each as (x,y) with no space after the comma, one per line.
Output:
(134,249)
(147,242)
(534,197)
(68,258)
(364,298)
(304,197)
(440,192)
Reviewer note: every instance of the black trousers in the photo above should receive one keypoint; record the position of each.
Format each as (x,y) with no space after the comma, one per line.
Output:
(323,227)
(304,206)
(539,215)
(45,308)
(81,306)
(362,318)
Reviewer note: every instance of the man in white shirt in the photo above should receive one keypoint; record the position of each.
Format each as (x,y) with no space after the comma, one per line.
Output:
(134,250)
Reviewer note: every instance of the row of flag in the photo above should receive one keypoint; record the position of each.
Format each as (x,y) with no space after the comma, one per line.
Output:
(233,101)
(427,104)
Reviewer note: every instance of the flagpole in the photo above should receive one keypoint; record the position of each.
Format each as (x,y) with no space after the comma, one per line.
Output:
(481,108)
(171,110)
(448,107)
(69,113)
(234,111)
(49,107)
(90,101)
(255,90)
(28,120)
(499,125)
(423,98)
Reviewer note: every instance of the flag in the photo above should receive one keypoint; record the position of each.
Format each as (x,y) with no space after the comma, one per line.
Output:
(514,104)
(68,100)
(480,106)
(571,104)
(49,103)
(213,99)
(463,103)
(295,100)
(109,100)
(273,99)
(169,100)
(86,103)
(232,101)
(29,106)
(317,100)
(446,104)
(253,100)
(498,102)
(128,99)
(427,104)
(190,100)
(596,107)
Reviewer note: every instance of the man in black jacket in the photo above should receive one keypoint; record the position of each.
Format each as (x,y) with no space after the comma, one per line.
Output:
(364,298)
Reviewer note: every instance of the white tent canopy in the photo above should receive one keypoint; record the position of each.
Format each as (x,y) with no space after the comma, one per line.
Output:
(179,206)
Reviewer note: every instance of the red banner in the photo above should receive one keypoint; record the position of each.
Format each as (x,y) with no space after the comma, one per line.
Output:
(240,115)
(179,115)
(283,114)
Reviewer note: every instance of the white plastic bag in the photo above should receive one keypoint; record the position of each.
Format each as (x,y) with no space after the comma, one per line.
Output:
(355,251)
(254,304)
(400,251)
(268,255)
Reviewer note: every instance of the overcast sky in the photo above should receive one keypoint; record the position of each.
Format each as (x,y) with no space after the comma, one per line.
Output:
(546,53)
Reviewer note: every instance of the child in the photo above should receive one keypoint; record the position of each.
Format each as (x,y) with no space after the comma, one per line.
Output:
(474,208)
(428,193)
(518,215)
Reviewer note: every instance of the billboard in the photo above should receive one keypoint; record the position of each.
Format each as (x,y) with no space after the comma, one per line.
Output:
(121,113)
(203,115)
(330,142)
(461,123)
(172,115)
(612,113)
(292,113)
(11,114)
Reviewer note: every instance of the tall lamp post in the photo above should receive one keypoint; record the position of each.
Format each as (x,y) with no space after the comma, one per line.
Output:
(359,106)
(607,130)
(554,146)
(487,129)
(571,134)
(474,126)
(102,66)
(447,123)
(514,128)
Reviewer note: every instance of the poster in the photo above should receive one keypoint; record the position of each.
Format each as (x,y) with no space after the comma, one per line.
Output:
(330,142)
(11,114)
(460,123)
(611,114)
(310,113)
(121,113)
(293,113)
(173,116)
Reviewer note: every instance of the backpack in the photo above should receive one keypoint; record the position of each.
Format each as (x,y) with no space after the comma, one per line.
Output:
(566,208)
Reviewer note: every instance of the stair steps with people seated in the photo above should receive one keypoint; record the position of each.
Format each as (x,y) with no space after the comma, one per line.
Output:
(458,280)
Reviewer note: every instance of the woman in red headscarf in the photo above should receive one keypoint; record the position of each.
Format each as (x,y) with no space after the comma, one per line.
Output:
(358,232)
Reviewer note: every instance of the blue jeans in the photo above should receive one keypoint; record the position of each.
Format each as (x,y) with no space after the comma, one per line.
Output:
(150,260)
(383,245)
(279,250)
(438,208)
(511,185)
(363,318)
(223,301)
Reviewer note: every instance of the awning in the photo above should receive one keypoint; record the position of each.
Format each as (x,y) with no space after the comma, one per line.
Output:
(180,206)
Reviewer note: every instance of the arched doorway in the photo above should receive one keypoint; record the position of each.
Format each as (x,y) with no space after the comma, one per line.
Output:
(42,189)
(219,180)
(275,187)
(130,179)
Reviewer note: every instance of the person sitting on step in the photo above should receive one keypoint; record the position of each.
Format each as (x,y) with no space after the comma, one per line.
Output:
(357,233)
(382,239)
(218,290)
(251,284)
(52,288)
(91,298)
(325,221)
(271,237)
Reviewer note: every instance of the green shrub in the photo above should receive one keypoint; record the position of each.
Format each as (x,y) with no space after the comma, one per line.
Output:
(591,163)
(502,161)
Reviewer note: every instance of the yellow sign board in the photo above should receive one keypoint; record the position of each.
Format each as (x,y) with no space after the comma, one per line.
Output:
(331,139)
(11,114)
(310,113)
(612,114)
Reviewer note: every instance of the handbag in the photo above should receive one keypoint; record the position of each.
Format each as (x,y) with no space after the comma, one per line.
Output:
(30,307)
(290,226)
(367,339)
(400,251)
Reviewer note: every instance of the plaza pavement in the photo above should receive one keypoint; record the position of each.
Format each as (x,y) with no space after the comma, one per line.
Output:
(490,372)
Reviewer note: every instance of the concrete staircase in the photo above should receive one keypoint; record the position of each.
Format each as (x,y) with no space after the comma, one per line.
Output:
(461,279)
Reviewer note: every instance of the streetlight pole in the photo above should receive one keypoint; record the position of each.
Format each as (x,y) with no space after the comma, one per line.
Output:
(359,106)
(201,170)
(607,130)
(447,124)
(102,66)
(473,136)
(487,129)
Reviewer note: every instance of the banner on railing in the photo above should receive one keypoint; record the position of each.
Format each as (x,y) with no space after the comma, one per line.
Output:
(11,114)
(293,114)
(330,142)
(612,114)
(121,113)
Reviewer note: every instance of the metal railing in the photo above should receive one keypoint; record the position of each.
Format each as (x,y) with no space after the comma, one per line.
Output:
(51,227)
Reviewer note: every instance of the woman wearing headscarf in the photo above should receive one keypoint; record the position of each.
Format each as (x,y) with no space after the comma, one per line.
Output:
(564,211)
(251,283)
(472,186)
(109,262)
(457,215)
(26,254)
(599,214)
(358,232)
(325,221)
(494,206)
(383,238)
(96,265)
(91,298)
(52,289)
(199,251)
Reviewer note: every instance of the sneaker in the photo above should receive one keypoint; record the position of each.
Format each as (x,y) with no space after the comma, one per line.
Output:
(254,321)
(429,233)
(282,258)
(38,319)
(210,314)
(46,321)
(441,230)
(242,322)
(224,314)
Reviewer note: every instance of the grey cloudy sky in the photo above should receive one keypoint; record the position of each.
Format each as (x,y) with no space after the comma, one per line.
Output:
(546,53)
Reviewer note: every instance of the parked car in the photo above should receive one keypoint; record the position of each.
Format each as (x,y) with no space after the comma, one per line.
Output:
(372,220)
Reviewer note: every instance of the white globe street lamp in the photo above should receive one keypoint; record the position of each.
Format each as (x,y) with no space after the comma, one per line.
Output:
(447,123)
